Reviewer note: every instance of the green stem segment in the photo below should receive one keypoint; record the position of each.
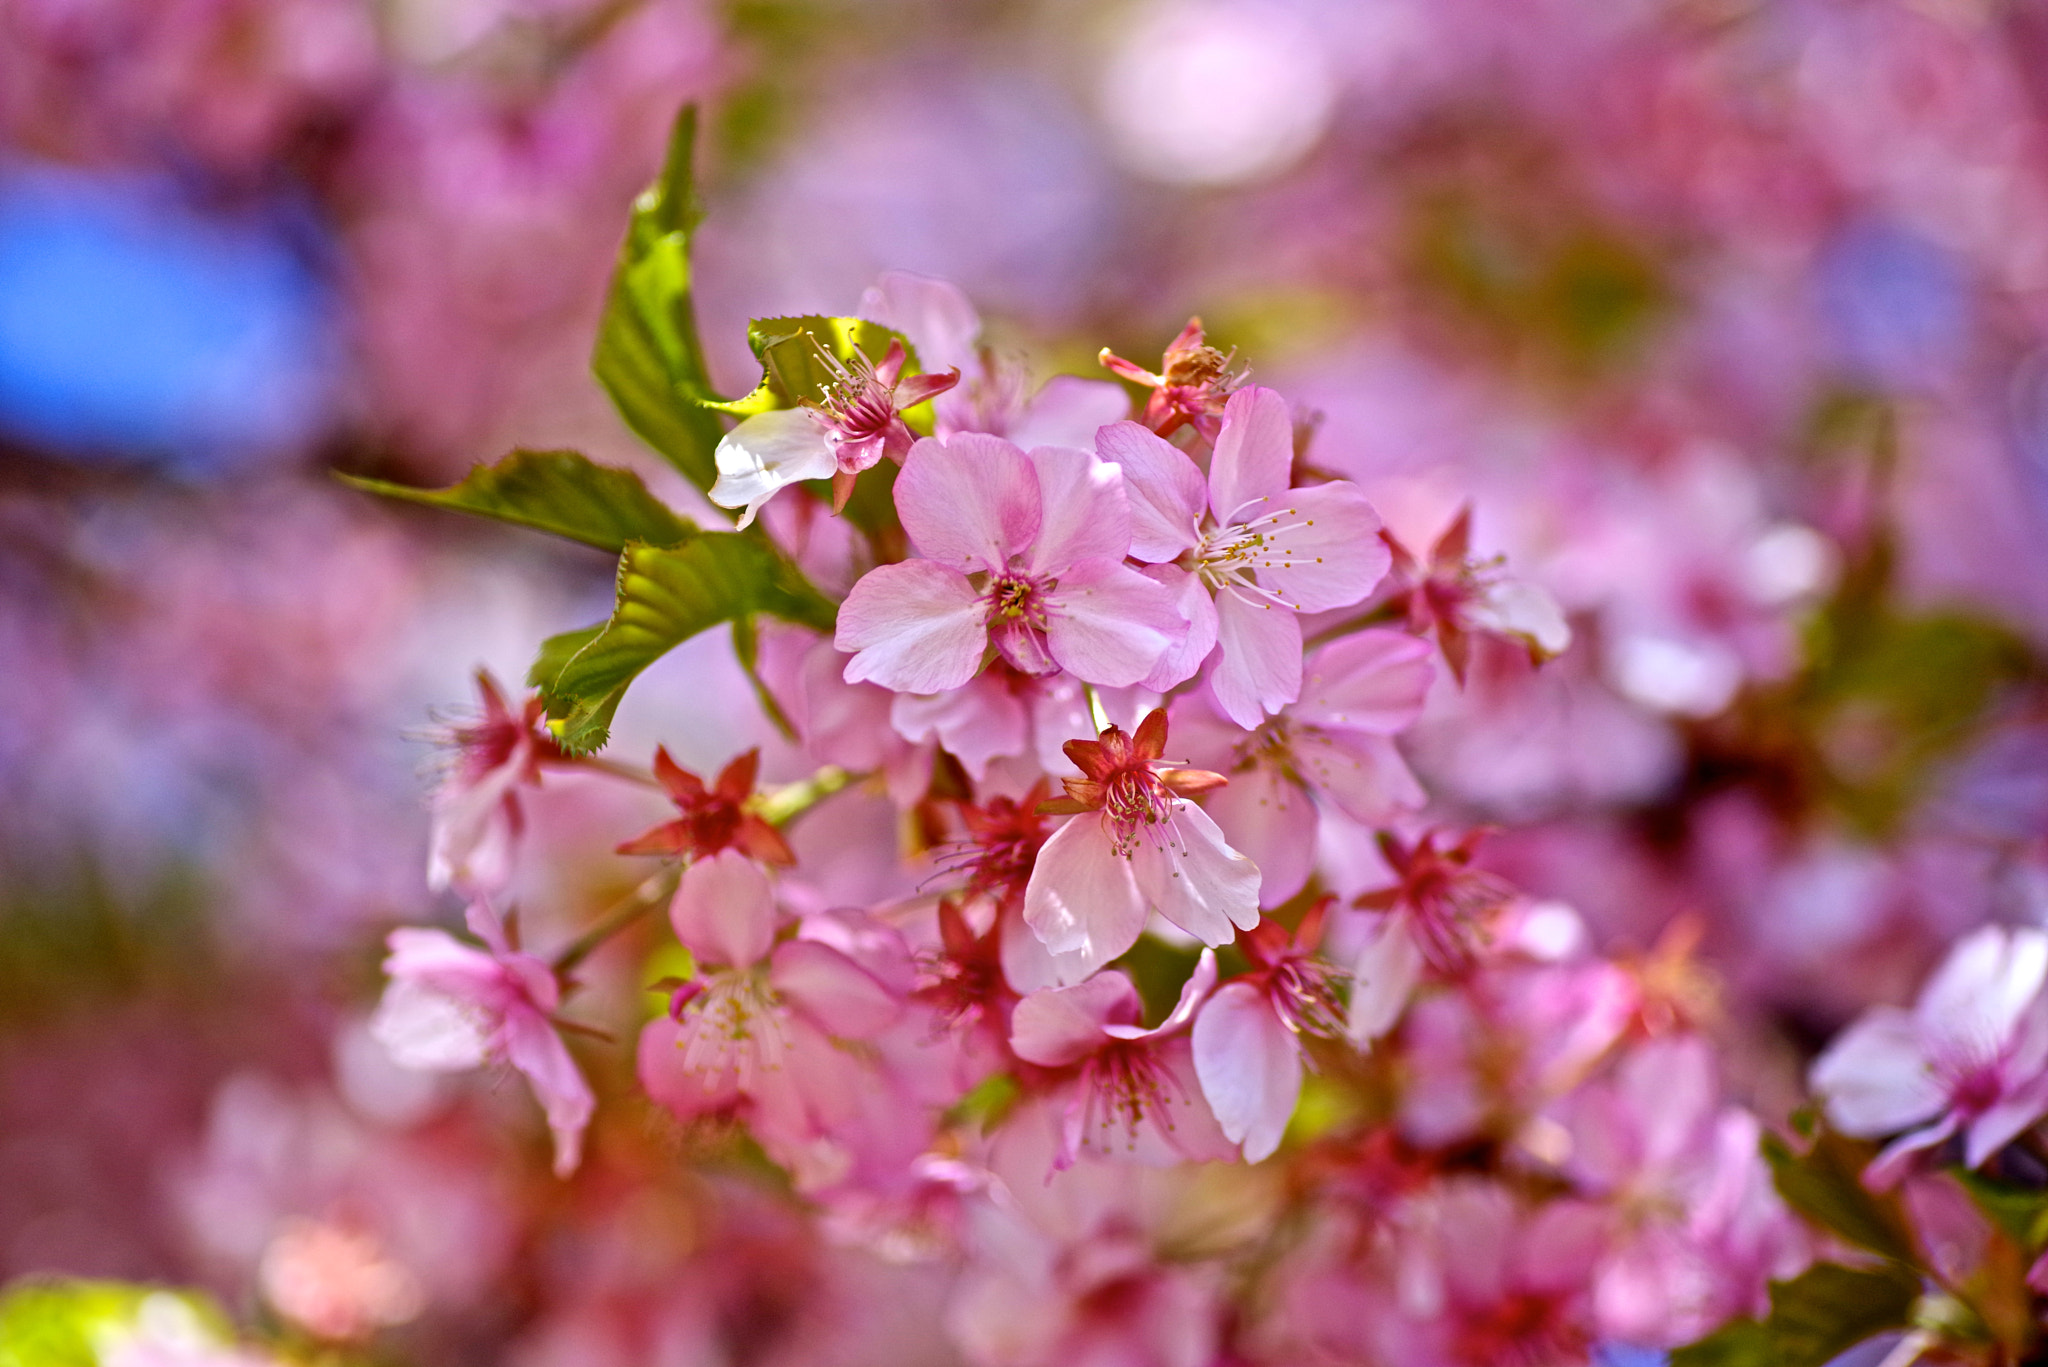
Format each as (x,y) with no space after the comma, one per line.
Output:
(630,908)
(792,800)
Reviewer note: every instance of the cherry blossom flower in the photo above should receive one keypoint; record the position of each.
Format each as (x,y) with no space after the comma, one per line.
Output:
(944,326)
(477,819)
(1024,553)
(1135,842)
(1262,546)
(1439,915)
(1456,595)
(1134,1093)
(452,1006)
(1194,382)
(1971,1057)
(713,818)
(1247,1038)
(856,423)
(1334,744)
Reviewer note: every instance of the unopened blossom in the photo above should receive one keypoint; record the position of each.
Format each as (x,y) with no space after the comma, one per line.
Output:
(1022,553)
(477,819)
(1193,383)
(1136,843)
(857,422)
(1970,1058)
(1248,1036)
(1449,591)
(1440,915)
(1134,1092)
(452,1007)
(991,396)
(1331,747)
(1244,552)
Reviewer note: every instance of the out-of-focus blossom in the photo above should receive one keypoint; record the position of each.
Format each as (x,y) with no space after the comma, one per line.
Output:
(1439,915)
(1192,386)
(1045,534)
(1134,1093)
(714,817)
(1264,544)
(1449,592)
(451,1007)
(1136,842)
(1971,1058)
(1334,743)
(477,818)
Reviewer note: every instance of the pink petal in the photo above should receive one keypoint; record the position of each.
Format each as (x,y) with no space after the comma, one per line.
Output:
(1249,1066)
(935,315)
(533,1047)
(470,846)
(1254,452)
(915,627)
(1363,774)
(1323,548)
(1082,897)
(1376,680)
(1086,514)
(1383,978)
(1198,614)
(426,1029)
(1972,1006)
(1272,821)
(1056,1026)
(1028,965)
(1873,1080)
(1260,671)
(685,1092)
(1067,410)
(2001,1124)
(840,997)
(724,912)
(1192,877)
(970,501)
(1166,492)
(976,723)
(1193,993)
(1109,624)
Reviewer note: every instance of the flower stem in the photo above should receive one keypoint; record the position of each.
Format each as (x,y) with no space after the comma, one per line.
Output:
(622,914)
(791,800)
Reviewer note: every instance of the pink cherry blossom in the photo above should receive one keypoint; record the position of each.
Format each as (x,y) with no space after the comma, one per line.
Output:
(477,820)
(1247,1038)
(944,326)
(1449,590)
(1135,842)
(1024,553)
(1971,1057)
(856,423)
(452,1006)
(1263,553)
(1332,747)
(1440,915)
(1193,383)
(1134,1092)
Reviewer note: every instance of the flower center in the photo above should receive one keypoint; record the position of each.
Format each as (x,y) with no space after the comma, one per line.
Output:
(1231,555)
(1125,1084)
(1013,606)
(1134,800)
(736,1025)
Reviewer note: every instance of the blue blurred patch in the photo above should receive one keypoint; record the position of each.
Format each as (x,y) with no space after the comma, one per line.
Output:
(1897,304)
(134,327)
(1628,1355)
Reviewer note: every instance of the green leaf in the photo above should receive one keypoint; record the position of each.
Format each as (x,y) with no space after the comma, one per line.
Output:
(1829,1308)
(556,652)
(798,356)
(1738,1343)
(648,357)
(1825,1185)
(63,1323)
(2021,1212)
(561,492)
(665,596)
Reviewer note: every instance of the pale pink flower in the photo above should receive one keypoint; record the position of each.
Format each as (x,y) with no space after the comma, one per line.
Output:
(1021,552)
(1135,842)
(452,1006)
(1134,1092)
(1440,915)
(1246,553)
(859,421)
(943,325)
(1333,746)
(1971,1057)
(1458,595)
(1247,1038)
(476,816)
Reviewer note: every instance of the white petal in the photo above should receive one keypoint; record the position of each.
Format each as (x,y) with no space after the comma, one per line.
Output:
(429,1030)
(1249,1066)
(1081,897)
(1873,1079)
(1192,877)
(766,452)
(1383,977)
